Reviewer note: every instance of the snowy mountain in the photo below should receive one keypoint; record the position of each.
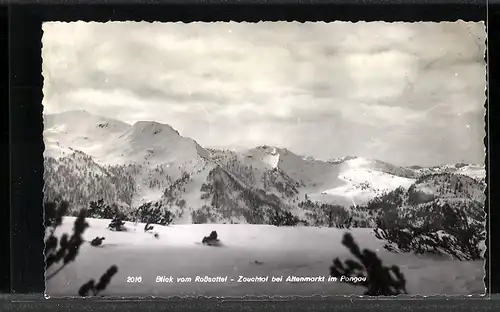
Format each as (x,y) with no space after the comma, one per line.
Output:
(430,192)
(80,180)
(79,130)
(89,157)
(476,171)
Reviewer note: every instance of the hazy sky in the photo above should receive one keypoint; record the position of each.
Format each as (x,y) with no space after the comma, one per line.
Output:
(399,92)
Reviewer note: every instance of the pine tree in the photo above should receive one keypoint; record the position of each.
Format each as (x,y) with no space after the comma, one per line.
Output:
(380,280)
(69,246)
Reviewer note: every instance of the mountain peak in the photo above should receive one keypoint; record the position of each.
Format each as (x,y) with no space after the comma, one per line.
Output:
(154,127)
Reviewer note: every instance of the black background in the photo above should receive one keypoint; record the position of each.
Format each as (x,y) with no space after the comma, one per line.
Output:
(21,84)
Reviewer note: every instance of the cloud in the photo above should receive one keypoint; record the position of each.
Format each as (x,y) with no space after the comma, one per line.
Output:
(400,92)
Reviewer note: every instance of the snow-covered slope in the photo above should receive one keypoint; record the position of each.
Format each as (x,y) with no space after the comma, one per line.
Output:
(448,186)
(90,157)
(364,179)
(154,143)
(280,170)
(111,142)
(476,171)
(79,130)
(249,251)
(80,180)
(150,154)
(423,201)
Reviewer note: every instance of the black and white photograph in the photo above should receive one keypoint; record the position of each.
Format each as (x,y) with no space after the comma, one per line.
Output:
(264,159)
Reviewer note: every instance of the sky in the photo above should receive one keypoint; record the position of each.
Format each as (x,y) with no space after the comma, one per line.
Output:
(405,93)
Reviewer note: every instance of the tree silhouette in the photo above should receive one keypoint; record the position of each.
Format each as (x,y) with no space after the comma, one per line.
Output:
(117,224)
(99,209)
(91,288)
(153,213)
(69,246)
(284,218)
(148,227)
(380,280)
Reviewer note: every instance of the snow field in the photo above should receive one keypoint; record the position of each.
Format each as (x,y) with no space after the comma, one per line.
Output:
(248,250)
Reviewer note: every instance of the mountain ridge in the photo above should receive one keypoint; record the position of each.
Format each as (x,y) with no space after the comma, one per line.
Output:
(158,164)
